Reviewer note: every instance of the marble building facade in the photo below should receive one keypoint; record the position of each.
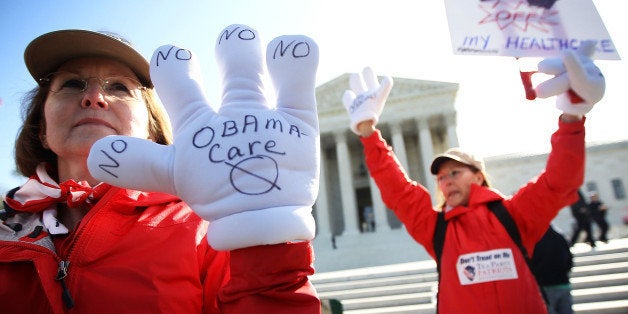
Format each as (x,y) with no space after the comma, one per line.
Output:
(419,120)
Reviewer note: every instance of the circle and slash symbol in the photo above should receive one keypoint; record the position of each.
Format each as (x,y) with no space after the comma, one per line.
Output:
(254,175)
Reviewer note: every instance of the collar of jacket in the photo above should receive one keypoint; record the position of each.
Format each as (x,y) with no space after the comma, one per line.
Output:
(126,201)
(27,227)
(479,196)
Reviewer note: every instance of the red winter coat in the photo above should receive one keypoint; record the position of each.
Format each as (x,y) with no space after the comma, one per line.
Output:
(140,252)
(482,270)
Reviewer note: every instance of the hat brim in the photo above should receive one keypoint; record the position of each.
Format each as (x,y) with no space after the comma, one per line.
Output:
(444,157)
(47,52)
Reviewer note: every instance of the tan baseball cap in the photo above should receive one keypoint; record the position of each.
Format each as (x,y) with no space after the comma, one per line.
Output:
(49,51)
(459,155)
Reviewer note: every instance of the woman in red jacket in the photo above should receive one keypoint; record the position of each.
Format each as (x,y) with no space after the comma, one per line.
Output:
(70,243)
(482,270)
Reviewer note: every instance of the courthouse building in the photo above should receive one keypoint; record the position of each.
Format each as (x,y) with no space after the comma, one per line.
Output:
(419,121)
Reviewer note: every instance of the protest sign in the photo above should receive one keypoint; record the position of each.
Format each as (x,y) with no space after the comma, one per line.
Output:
(526,28)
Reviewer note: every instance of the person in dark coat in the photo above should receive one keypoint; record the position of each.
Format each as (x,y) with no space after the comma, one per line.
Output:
(598,210)
(551,264)
(580,212)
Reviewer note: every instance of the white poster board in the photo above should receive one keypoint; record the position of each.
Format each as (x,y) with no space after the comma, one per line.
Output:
(526,28)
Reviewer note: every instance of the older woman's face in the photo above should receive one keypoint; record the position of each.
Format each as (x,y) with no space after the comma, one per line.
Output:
(74,121)
(454,180)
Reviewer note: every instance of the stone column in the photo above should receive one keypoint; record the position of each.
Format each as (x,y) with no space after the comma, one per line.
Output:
(347,191)
(379,209)
(322,204)
(399,147)
(452,135)
(427,153)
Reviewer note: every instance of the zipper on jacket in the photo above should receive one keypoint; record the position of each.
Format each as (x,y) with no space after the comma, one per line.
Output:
(62,272)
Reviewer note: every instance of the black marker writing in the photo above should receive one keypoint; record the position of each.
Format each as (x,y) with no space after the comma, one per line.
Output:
(299,50)
(241,177)
(179,54)
(244,34)
(118,146)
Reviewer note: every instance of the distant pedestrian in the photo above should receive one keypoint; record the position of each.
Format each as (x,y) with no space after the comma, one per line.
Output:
(598,210)
(369,217)
(580,212)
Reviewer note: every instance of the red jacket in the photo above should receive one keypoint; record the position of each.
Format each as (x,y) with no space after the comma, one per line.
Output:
(480,262)
(140,252)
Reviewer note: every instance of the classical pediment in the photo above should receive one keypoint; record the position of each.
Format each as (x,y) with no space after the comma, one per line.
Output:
(329,95)
(409,98)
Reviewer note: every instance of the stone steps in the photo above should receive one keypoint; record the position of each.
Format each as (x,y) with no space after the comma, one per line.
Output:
(599,281)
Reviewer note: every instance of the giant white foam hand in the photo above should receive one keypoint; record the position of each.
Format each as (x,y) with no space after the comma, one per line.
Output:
(250,168)
(577,82)
(366,98)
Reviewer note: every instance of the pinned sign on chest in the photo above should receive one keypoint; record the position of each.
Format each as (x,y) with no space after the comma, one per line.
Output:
(526,28)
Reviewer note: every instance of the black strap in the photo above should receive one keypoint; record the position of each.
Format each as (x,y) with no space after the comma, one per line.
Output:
(498,208)
(8,211)
(439,238)
(502,214)
(439,242)
(504,217)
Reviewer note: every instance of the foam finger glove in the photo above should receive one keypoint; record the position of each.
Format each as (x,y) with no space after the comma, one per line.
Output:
(366,98)
(578,83)
(250,167)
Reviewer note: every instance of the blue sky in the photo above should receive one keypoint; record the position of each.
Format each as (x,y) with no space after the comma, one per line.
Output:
(402,38)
